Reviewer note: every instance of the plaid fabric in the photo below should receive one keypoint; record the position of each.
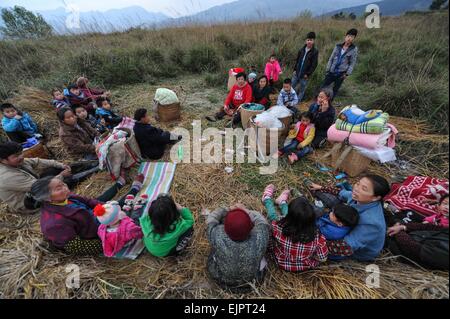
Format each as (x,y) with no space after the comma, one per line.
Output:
(127,122)
(339,248)
(297,256)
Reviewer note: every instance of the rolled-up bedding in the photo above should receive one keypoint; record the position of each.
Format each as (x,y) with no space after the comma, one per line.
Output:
(371,141)
(375,126)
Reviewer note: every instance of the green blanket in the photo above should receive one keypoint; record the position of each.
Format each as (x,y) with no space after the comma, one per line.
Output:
(375,126)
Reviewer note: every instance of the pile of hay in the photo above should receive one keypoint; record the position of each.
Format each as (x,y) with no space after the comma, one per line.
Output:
(37,103)
(29,269)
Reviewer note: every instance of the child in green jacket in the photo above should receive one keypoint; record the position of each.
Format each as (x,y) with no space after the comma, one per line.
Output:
(167,228)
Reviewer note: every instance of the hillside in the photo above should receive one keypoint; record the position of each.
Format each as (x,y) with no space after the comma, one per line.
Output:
(267,9)
(388,7)
(402,69)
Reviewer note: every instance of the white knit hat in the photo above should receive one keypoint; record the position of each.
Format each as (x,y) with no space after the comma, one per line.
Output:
(109,213)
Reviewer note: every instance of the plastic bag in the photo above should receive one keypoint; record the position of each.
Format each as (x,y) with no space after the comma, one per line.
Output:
(166,96)
(279,111)
(268,120)
(382,154)
(253,106)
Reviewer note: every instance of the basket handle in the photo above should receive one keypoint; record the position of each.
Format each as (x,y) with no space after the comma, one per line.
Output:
(343,156)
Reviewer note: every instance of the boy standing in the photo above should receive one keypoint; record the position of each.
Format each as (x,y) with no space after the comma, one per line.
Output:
(305,65)
(342,62)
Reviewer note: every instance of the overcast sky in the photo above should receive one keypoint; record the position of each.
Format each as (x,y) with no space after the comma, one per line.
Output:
(169,7)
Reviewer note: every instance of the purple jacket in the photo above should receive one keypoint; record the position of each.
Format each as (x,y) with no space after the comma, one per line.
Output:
(61,224)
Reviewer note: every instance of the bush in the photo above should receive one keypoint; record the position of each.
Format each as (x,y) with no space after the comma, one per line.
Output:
(216,79)
(203,58)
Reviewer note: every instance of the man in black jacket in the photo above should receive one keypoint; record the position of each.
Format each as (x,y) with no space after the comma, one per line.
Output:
(152,140)
(305,65)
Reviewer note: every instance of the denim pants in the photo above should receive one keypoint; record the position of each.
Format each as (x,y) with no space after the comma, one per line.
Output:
(302,83)
(304,151)
(292,146)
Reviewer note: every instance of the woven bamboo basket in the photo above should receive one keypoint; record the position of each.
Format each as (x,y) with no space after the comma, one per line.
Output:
(349,160)
(36,151)
(287,121)
(264,138)
(170,112)
(246,115)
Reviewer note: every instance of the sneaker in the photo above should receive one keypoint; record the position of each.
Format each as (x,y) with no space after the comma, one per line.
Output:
(268,192)
(129,203)
(292,158)
(284,197)
(322,143)
(211,118)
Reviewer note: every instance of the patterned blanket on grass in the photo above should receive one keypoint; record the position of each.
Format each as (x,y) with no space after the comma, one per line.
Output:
(158,178)
(419,194)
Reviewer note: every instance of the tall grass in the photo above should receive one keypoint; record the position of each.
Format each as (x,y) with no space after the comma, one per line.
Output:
(402,67)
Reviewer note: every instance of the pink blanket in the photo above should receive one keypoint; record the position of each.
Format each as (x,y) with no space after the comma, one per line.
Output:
(127,122)
(419,194)
(370,141)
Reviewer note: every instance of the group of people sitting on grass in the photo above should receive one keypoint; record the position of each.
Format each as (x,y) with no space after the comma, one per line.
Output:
(300,236)
(311,129)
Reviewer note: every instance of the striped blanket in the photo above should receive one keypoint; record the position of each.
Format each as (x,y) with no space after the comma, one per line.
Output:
(158,178)
(375,126)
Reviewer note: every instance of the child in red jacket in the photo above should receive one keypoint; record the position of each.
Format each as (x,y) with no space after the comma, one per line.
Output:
(240,93)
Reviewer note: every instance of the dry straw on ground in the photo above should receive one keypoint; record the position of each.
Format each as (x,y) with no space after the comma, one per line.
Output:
(30,269)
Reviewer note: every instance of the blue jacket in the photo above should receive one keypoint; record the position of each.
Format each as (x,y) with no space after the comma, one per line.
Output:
(287,98)
(330,230)
(25,124)
(111,119)
(367,238)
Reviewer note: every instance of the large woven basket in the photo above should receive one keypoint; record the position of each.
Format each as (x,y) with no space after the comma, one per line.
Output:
(264,138)
(349,160)
(246,115)
(36,151)
(170,112)
(287,121)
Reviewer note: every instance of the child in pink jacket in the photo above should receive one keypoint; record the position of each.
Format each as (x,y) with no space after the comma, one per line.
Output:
(116,229)
(273,69)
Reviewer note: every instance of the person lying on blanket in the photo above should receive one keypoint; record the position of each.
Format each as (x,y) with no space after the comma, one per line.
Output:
(67,220)
(17,174)
(151,140)
(168,227)
(366,240)
(403,239)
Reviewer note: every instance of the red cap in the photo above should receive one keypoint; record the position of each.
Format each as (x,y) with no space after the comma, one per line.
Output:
(238,225)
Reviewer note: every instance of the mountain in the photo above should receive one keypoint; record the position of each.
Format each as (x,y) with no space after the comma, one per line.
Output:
(251,10)
(389,7)
(107,21)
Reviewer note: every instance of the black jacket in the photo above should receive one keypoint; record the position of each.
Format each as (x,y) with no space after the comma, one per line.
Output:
(311,61)
(322,121)
(152,140)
